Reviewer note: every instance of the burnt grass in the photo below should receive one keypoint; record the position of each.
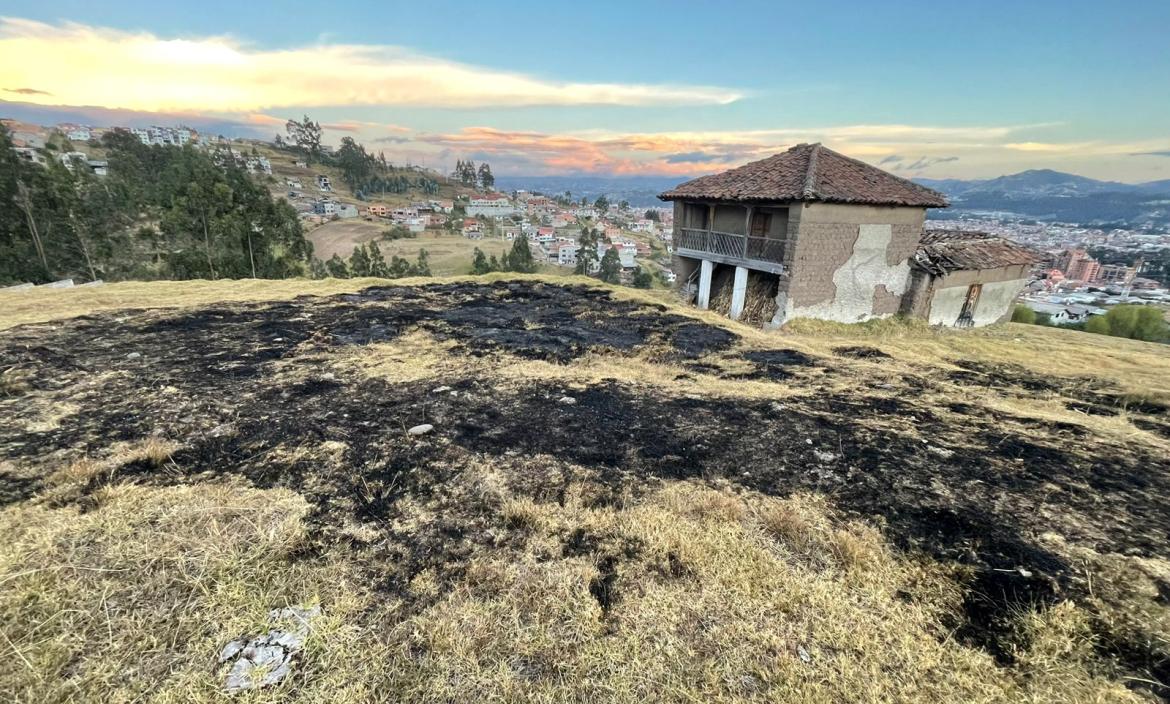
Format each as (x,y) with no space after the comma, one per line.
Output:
(977,491)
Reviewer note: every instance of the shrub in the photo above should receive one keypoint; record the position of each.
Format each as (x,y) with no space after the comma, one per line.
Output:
(1024,314)
(1136,322)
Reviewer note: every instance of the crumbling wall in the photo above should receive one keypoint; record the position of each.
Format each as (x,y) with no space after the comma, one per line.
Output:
(996,299)
(849,262)
(916,301)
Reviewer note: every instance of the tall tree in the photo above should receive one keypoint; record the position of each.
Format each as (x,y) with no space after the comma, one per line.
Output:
(337,268)
(486,180)
(519,258)
(306,135)
(359,262)
(611,266)
(479,262)
(377,261)
(587,259)
(422,265)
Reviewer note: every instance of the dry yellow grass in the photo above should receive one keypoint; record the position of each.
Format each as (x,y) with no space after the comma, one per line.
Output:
(632,590)
(727,597)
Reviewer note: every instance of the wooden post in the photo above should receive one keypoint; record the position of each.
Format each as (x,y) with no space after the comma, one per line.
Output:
(747,228)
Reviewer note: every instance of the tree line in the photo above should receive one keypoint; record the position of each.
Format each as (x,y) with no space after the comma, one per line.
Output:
(161,212)
(365,173)
(368,260)
(467,174)
(518,259)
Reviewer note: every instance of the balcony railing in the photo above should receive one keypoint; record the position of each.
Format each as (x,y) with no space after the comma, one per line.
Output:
(730,246)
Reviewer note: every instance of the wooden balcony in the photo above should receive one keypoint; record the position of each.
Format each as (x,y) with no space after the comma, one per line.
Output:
(759,253)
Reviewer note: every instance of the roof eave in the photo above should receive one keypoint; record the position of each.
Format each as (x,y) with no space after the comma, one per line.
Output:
(668,197)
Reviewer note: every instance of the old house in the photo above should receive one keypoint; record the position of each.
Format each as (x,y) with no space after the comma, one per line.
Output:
(824,235)
(966,279)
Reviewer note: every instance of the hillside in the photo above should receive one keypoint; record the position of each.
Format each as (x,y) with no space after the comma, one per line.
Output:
(1053,195)
(618,499)
(284,166)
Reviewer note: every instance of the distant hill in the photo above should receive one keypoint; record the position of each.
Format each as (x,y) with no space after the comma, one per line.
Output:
(1045,194)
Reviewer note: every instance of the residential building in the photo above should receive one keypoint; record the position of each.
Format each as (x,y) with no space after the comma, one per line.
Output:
(323,183)
(1064,314)
(563,253)
(490,205)
(77,133)
(31,155)
(835,237)
(1117,273)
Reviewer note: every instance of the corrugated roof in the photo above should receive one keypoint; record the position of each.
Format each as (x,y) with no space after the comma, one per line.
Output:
(943,251)
(808,172)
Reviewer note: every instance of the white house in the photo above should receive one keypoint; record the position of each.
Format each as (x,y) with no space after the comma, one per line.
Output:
(1063,314)
(31,155)
(564,253)
(490,205)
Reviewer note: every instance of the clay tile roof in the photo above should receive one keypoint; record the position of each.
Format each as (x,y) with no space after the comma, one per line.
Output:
(943,251)
(808,172)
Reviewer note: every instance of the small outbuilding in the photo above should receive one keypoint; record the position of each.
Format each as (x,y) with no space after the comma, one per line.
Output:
(966,279)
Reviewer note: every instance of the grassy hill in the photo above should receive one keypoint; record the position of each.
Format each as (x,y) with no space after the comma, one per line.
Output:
(284,166)
(620,499)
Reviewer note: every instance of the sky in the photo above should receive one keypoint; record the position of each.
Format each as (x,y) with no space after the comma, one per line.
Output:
(924,89)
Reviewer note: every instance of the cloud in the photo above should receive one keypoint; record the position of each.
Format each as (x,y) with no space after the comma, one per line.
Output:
(89,65)
(694,153)
(1164,152)
(926,162)
(691,157)
(27,91)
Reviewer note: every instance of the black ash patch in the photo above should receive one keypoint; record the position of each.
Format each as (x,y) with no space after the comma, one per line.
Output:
(978,492)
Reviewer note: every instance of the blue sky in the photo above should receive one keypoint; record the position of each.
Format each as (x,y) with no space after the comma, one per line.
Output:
(969,90)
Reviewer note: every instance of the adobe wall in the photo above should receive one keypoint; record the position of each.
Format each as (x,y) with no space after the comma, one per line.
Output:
(849,262)
(996,299)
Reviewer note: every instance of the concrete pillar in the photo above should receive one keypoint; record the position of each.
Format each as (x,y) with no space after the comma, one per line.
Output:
(707,267)
(738,293)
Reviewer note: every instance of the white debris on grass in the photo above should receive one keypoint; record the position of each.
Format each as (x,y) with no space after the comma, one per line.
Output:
(420,429)
(266,659)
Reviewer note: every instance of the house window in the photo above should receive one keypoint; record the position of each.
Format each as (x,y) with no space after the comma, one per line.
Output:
(761,224)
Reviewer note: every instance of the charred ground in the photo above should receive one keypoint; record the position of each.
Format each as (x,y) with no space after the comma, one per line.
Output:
(1020,504)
